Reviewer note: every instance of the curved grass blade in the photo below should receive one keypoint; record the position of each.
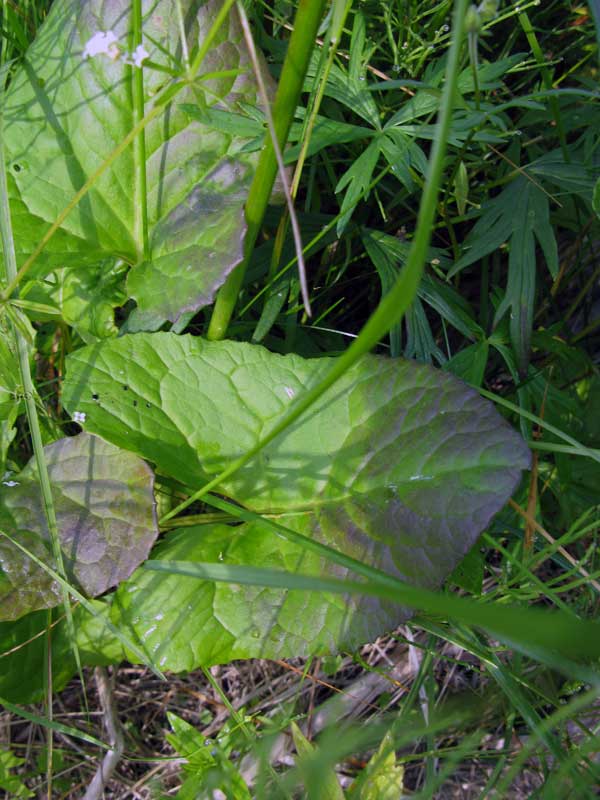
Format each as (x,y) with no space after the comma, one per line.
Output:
(50,724)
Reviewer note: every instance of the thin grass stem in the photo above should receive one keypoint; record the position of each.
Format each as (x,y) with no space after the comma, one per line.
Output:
(139,143)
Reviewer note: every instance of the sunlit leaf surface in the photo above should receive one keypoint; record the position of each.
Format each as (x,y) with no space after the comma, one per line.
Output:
(65,114)
(398,465)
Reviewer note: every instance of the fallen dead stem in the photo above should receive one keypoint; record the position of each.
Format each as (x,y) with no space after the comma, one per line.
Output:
(105,687)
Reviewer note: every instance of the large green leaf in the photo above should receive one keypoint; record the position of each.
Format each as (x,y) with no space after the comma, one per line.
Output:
(399,466)
(106,520)
(65,114)
(183,622)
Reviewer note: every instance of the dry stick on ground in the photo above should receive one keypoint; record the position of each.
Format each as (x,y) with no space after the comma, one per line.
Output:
(104,684)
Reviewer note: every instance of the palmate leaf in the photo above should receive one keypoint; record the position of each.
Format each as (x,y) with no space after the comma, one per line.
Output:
(106,520)
(355,181)
(349,86)
(519,216)
(65,114)
(399,466)
(207,765)
(388,254)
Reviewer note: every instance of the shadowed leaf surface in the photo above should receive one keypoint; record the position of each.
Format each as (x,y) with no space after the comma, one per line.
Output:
(23,650)
(106,520)
(398,465)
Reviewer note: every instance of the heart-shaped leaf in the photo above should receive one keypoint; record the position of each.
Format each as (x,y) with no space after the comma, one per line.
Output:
(106,517)
(398,465)
(66,112)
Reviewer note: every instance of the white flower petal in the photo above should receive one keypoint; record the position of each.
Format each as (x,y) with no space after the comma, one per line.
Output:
(101,43)
(139,54)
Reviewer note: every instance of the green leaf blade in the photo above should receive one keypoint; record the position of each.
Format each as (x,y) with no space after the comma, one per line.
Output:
(66,113)
(399,466)
(106,519)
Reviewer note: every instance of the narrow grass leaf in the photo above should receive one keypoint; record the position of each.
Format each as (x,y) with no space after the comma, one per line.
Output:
(529,630)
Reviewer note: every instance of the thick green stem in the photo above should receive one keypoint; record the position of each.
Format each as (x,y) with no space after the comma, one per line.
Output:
(341,9)
(294,69)
(393,306)
(340,12)
(139,143)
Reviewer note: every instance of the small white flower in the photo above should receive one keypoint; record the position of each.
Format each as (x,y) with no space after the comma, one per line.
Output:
(139,54)
(101,43)
(79,416)
(10,483)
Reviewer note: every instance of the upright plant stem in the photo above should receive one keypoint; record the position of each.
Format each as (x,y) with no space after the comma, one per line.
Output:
(394,304)
(295,65)
(139,143)
(278,154)
(472,39)
(340,12)
(340,9)
(10,265)
(180,21)
(536,49)
(49,709)
(27,382)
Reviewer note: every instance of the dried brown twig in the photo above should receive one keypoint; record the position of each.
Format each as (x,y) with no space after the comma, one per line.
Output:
(105,686)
